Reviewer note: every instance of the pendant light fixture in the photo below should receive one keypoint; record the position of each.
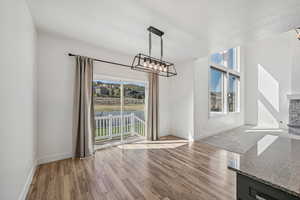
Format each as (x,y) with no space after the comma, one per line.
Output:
(146,63)
(298,33)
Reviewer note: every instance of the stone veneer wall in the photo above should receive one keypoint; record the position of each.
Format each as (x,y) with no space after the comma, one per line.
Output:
(294,112)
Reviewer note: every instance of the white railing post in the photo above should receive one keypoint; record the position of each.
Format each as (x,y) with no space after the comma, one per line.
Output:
(132,123)
(113,126)
(97,127)
(110,125)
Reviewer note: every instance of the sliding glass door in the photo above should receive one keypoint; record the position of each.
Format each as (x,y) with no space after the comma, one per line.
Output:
(134,110)
(107,107)
(119,111)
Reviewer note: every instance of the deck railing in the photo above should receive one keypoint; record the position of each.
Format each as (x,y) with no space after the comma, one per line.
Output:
(109,127)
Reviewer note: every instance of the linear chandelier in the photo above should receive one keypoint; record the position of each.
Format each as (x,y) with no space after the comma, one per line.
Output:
(298,33)
(146,63)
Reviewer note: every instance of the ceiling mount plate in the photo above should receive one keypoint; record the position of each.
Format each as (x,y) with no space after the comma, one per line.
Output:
(155,31)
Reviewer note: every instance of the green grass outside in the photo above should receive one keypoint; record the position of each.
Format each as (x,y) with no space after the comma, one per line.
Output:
(109,108)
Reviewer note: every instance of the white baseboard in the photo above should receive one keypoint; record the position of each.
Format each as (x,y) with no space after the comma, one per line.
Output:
(54,157)
(201,136)
(42,160)
(28,182)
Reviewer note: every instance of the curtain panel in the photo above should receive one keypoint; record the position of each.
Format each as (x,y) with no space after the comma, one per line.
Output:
(153,107)
(83,116)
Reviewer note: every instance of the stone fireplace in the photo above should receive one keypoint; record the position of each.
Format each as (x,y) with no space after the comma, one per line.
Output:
(294,114)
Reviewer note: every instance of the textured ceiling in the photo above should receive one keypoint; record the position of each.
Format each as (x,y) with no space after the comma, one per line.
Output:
(193,27)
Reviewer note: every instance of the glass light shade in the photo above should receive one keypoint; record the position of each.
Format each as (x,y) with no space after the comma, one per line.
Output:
(153,65)
(150,65)
(146,64)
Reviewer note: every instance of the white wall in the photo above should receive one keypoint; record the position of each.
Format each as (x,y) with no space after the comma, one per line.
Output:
(295,64)
(269,71)
(181,101)
(18,99)
(56,81)
(271,68)
(205,125)
(164,106)
(189,100)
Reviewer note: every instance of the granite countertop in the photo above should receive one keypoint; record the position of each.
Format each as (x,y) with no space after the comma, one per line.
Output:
(274,160)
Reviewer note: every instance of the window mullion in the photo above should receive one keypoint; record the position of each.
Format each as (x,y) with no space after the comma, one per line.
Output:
(238,97)
(234,73)
(219,68)
(225,86)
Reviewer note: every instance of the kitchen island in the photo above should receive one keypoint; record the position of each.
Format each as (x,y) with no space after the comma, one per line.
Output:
(270,170)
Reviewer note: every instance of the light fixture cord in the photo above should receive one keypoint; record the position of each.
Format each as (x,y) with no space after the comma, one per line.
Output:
(161,48)
(150,43)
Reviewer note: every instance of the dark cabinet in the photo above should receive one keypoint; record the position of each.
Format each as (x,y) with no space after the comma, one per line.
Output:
(250,189)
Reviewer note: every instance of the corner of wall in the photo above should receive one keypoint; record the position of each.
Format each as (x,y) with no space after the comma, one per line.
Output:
(54,157)
(28,181)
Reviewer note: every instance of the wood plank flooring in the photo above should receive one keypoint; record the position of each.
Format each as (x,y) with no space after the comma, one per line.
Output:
(183,171)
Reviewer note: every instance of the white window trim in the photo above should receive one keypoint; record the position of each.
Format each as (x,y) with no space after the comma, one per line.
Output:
(226,71)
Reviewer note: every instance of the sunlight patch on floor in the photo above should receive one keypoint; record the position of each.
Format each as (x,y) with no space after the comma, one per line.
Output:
(163,144)
(264,130)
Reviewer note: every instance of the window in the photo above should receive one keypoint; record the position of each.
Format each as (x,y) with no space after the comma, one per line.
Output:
(226,58)
(224,82)
(216,91)
(232,103)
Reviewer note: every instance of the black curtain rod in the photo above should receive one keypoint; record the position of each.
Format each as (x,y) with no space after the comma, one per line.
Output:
(104,61)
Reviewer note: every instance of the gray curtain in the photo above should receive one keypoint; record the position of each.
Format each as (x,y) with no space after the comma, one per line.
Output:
(83,117)
(153,106)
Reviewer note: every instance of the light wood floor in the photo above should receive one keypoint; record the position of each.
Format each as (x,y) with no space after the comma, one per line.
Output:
(183,171)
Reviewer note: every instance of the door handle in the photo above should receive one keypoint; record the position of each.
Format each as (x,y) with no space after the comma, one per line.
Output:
(259,195)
